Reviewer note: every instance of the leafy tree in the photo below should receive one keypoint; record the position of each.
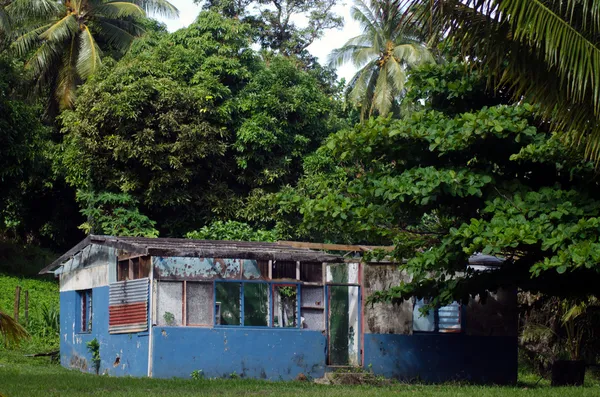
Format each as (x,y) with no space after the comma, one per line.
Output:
(442,186)
(233,230)
(115,215)
(546,51)
(284,114)
(275,24)
(64,40)
(188,123)
(382,53)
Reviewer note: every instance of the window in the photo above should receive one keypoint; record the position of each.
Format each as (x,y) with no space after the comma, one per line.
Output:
(133,268)
(446,319)
(294,299)
(85,310)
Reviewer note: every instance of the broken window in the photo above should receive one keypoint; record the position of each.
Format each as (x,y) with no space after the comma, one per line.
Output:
(85,310)
(199,307)
(444,319)
(285,305)
(170,303)
(228,303)
(133,268)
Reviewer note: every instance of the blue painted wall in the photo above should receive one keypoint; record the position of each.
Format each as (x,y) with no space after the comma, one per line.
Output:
(132,349)
(249,352)
(443,357)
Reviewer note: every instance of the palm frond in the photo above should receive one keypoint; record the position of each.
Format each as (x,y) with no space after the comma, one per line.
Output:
(63,29)
(31,10)
(27,40)
(66,82)
(383,94)
(160,7)
(115,35)
(547,52)
(88,59)
(358,55)
(11,330)
(118,9)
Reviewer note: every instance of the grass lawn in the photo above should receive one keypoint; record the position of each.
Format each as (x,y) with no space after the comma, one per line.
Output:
(25,376)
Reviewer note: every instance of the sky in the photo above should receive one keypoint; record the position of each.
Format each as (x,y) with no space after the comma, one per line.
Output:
(332,38)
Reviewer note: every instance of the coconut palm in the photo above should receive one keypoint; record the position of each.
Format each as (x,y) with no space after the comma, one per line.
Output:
(11,330)
(383,53)
(63,39)
(546,51)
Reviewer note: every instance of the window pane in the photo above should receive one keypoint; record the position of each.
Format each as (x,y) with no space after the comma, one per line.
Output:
(228,302)
(285,306)
(199,303)
(170,299)
(449,318)
(421,322)
(256,304)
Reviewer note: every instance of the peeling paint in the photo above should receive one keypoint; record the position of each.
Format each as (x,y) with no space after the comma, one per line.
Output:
(180,268)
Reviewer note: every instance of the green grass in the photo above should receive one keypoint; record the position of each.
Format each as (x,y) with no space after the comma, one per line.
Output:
(26,376)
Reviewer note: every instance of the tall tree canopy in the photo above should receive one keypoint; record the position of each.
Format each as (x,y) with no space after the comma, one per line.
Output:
(383,52)
(443,184)
(546,51)
(64,41)
(188,123)
(276,21)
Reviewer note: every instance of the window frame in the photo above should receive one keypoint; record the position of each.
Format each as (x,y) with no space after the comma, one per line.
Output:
(85,314)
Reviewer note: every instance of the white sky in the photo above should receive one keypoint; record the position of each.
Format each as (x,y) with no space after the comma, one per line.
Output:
(188,11)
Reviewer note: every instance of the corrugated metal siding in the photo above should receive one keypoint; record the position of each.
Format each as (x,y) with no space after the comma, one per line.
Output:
(449,318)
(128,306)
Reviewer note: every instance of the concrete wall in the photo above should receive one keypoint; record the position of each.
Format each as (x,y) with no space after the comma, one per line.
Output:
(249,352)
(385,318)
(131,349)
(443,357)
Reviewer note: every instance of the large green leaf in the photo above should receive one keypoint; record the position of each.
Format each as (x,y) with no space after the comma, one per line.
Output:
(88,59)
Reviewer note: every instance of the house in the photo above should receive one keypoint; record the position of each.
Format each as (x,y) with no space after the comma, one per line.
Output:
(167,307)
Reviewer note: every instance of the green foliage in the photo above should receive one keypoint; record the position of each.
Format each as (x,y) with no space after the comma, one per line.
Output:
(169,318)
(114,215)
(546,52)
(232,230)
(43,325)
(275,21)
(93,347)
(187,124)
(65,41)
(443,185)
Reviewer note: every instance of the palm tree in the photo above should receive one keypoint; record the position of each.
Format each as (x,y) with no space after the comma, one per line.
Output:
(63,39)
(546,51)
(383,52)
(11,330)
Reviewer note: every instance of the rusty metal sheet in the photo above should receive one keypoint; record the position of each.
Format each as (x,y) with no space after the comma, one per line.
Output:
(198,269)
(128,306)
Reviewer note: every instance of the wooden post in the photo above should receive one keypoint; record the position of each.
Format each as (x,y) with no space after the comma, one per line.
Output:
(27,307)
(17,303)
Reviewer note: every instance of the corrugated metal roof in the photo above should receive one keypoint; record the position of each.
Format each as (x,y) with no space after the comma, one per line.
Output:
(199,248)
(128,306)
